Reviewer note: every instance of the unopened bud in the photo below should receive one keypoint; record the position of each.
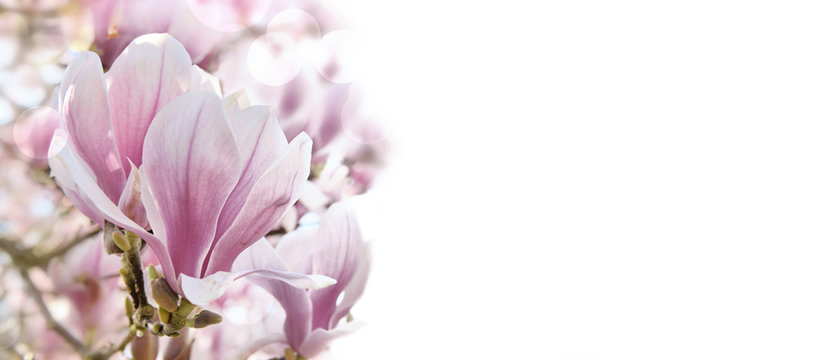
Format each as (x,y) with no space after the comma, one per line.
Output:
(121,241)
(129,309)
(153,273)
(206,318)
(164,295)
(164,315)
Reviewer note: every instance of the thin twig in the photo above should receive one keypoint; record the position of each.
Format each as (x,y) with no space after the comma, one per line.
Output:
(45,312)
(113,349)
(70,245)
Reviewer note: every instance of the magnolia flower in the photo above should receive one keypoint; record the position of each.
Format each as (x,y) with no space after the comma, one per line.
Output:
(149,145)
(335,248)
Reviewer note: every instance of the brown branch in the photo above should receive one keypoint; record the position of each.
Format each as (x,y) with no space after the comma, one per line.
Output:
(70,245)
(113,349)
(22,257)
(25,258)
(45,312)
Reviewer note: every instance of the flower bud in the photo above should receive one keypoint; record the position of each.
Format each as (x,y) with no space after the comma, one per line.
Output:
(206,318)
(164,295)
(164,315)
(153,273)
(121,241)
(129,309)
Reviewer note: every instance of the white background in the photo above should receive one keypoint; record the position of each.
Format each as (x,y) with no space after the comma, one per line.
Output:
(603,180)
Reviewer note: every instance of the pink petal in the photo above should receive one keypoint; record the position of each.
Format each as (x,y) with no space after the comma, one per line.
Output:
(76,179)
(272,194)
(130,203)
(84,107)
(203,291)
(236,102)
(297,306)
(200,80)
(262,260)
(355,288)
(260,264)
(260,142)
(319,339)
(295,248)
(150,72)
(338,245)
(190,164)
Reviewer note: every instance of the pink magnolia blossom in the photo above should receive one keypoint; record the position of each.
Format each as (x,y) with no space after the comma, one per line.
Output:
(149,144)
(336,249)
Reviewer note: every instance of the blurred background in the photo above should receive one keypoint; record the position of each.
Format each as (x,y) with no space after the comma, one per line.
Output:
(594,180)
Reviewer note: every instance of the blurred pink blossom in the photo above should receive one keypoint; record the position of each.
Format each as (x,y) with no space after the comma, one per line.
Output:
(88,278)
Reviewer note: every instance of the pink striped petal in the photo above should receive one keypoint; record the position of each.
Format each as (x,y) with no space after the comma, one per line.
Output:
(260,141)
(150,72)
(130,203)
(262,260)
(272,194)
(355,288)
(295,248)
(190,164)
(337,248)
(84,107)
(260,264)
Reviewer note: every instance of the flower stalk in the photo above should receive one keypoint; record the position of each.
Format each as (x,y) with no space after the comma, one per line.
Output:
(132,274)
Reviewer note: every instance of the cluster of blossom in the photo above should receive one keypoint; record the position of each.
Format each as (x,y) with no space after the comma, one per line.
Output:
(176,179)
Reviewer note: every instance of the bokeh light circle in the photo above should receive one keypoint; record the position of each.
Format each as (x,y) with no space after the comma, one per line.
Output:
(274,59)
(33,132)
(229,15)
(295,23)
(337,56)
